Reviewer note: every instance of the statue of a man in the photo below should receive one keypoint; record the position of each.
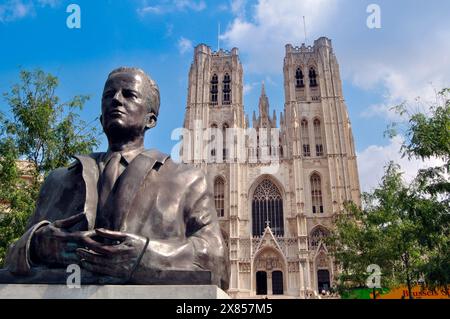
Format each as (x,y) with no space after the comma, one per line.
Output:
(127,213)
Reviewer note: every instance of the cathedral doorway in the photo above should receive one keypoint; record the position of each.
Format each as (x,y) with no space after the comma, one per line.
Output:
(270,269)
(323,280)
(277,283)
(261,283)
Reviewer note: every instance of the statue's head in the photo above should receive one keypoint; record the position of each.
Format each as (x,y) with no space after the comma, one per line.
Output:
(130,102)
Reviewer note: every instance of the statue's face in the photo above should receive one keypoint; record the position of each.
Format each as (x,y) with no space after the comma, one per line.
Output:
(124,104)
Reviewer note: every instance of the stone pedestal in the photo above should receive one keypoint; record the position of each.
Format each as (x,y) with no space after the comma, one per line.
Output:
(28,291)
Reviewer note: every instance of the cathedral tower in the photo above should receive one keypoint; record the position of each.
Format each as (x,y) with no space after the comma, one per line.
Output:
(274,217)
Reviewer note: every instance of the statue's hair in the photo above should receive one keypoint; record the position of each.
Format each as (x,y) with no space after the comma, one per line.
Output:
(152,90)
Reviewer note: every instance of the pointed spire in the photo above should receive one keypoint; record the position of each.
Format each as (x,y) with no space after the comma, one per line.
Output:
(263,103)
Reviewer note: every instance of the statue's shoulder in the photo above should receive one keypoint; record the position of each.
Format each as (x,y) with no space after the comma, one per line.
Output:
(185,174)
(73,170)
(79,160)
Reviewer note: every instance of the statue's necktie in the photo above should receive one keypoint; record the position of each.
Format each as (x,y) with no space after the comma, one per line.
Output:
(109,178)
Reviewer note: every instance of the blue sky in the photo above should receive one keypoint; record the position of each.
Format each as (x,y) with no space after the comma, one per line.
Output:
(406,58)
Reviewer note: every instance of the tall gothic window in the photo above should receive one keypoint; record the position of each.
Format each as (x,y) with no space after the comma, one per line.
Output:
(214,89)
(214,133)
(312,77)
(281,148)
(305,139)
(316,194)
(219,196)
(318,137)
(227,89)
(267,208)
(225,144)
(299,83)
(317,235)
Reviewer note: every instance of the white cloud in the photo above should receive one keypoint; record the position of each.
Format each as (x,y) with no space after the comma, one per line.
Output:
(171,6)
(273,24)
(150,10)
(405,72)
(238,7)
(51,3)
(248,87)
(185,45)
(222,7)
(398,61)
(13,10)
(372,160)
(189,4)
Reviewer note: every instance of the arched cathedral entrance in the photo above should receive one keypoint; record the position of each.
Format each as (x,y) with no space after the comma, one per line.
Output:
(269,273)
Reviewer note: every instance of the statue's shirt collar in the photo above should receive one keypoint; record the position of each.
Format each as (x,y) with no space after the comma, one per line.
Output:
(128,156)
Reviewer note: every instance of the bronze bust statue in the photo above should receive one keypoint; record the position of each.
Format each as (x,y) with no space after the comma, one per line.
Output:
(129,215)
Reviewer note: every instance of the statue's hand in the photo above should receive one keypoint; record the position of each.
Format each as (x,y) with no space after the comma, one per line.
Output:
(54,245)
(118,259)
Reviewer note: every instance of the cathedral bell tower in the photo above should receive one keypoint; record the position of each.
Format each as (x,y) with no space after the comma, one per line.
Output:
(215,95)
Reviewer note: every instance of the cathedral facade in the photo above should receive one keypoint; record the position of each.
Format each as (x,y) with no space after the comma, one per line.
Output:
(277,182)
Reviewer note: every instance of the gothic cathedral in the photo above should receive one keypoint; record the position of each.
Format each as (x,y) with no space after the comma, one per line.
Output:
(274,217)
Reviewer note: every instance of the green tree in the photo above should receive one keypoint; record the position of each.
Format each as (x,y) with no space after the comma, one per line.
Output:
(403,229)
(383,234)
(427,137)
(38,134)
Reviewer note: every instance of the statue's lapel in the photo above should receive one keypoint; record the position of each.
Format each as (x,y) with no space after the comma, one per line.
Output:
(129,184)
(90,175)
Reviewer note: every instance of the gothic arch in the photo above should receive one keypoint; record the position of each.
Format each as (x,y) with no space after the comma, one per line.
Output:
(269,259)
(316,173)
(313,76)
(305,136)
(214,89)
(273,179)
(270,251)
(220,195)
(268,204)
(318,130)
(323,271)
(316,236)
(299,77)
(316,187)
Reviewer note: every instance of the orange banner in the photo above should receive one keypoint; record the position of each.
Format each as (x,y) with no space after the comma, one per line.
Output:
(418,292)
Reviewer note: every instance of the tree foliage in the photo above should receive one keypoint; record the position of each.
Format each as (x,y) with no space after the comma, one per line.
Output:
(38,134)
(403,228)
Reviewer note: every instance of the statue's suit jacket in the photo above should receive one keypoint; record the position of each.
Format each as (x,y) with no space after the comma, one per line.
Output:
(170,204)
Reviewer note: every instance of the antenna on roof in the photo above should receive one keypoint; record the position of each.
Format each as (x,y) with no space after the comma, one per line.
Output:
(304,27)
